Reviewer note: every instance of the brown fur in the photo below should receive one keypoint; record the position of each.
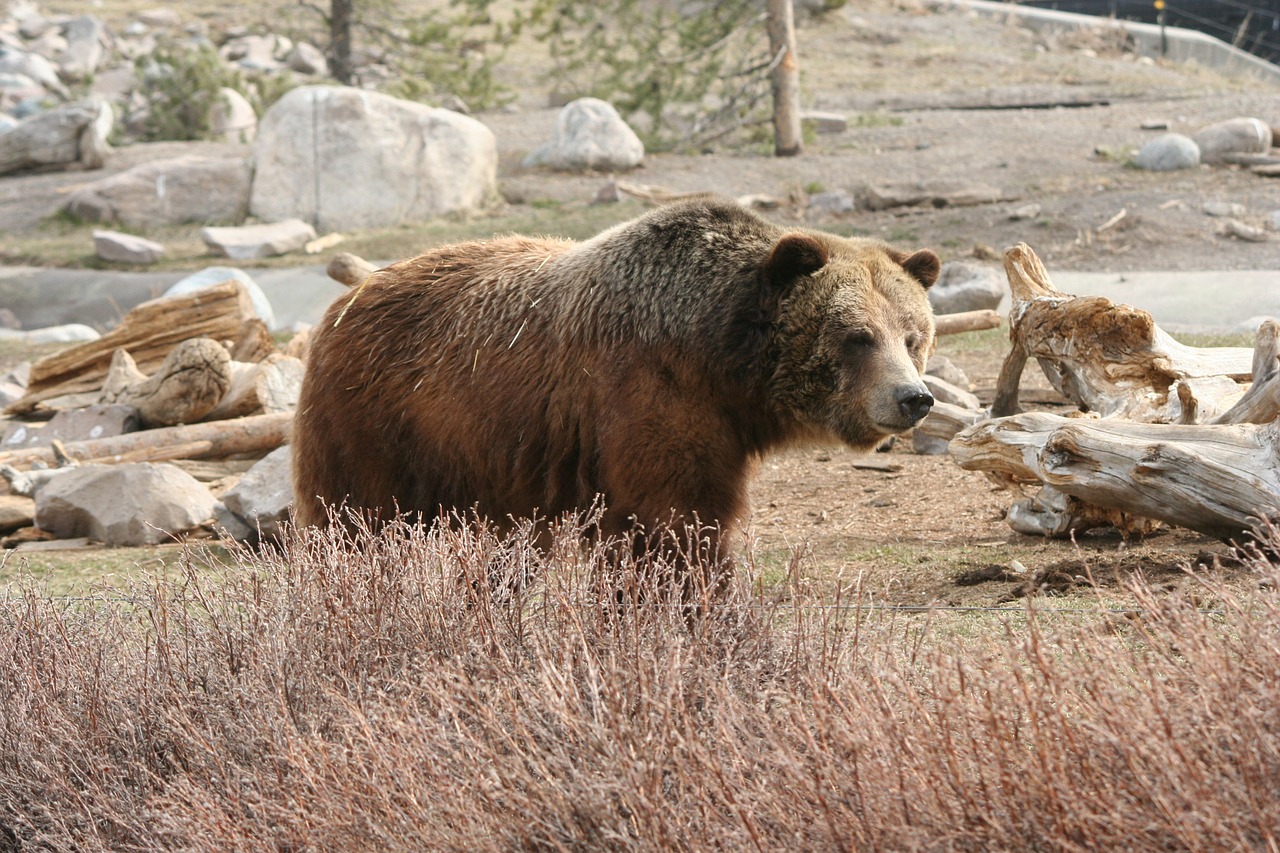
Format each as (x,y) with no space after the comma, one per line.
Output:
(652,365)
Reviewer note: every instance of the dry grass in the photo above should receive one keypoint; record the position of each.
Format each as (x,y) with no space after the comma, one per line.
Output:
(387,694)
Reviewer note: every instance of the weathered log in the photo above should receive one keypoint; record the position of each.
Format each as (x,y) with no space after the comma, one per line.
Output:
(271,385)
(187,386)
(254,434)
(148,332)
(1215,479)
(966,321)
(346,268)
(1261,403)
(254,341)
(1106,358)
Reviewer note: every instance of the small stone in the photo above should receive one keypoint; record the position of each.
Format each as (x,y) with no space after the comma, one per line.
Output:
(1233,136)
(259,241)
(1223,208)
(832,201)
(1026,211)
(1167,152)
(825,122)
(928,445)
(308,59)
(944,392)
(1241,231)
(126,248)
(1155,124)
(160,18)
(607,194)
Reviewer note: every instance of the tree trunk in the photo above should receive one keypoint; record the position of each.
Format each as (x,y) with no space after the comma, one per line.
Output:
(785,78)
(340,19)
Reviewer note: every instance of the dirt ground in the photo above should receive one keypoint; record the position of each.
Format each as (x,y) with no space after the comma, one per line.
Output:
(933,96)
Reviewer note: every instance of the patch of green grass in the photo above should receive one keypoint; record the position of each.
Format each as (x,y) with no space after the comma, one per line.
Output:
(89,571)
(987,340)
(814,187)
(877,119)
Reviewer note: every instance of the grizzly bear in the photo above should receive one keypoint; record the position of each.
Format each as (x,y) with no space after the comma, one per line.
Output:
(650,366)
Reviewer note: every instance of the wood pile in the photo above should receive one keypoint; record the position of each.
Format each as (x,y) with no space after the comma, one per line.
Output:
(198,373)
(1165,433)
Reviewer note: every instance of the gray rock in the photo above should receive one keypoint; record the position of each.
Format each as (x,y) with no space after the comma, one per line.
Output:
(230,526)
(7,123)
(1233,136)
(34,67)
(132,504)
(85,36)
(316,160)
(231,118)
(126,248)
(1223,208)
(162,18)
(966,286)
(944,392)
(256,53)
(946,370)
(209,276)
(308,59)
(832,201)
(1024,212)
(168,192)
(72,133)
(1274,219)
(1167,152)
(589,134)
(825,122)
(64,334)
(50,45)
(928,445)
(259,241)
(1252,324)
(262,498)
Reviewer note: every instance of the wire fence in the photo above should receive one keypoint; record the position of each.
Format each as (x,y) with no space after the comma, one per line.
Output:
(1252,26)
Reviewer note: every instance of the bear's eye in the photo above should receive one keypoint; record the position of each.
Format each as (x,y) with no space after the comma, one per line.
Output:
(858,340)
(914,341)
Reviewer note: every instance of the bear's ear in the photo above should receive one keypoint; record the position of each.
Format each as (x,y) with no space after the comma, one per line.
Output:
(792,256)
(923,266)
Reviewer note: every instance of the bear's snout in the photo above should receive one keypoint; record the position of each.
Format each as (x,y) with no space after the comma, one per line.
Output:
(914,401)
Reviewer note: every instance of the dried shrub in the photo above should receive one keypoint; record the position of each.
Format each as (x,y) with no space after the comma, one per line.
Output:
(461,689)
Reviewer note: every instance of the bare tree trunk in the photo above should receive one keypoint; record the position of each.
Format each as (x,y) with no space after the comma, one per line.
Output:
(340,40)
(786,78)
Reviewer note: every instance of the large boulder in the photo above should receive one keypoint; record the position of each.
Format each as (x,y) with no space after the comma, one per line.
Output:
(70,134)
(209,276)
(589,134)
(344,158)
(966,286)
(168,192)
(132,504)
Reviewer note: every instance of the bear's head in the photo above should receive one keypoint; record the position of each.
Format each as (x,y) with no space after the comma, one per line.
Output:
(853,331)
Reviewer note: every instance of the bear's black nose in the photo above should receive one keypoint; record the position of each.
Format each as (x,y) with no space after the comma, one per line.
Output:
(914,403)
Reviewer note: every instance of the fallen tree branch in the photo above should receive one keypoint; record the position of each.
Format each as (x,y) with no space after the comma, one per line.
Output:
(1214,479)
(254,434)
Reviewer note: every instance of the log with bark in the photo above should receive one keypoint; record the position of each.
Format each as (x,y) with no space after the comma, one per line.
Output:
(149,332)
(1110,359)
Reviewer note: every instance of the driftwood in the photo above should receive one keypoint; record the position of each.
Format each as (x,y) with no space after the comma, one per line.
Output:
(1109,359)
(188,385)
(346,268)
(255,434)
(149,332)
(271,385)
(966,321)
(1215,479)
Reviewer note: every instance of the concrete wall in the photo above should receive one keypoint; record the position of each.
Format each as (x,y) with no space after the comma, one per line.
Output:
(1182,45)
